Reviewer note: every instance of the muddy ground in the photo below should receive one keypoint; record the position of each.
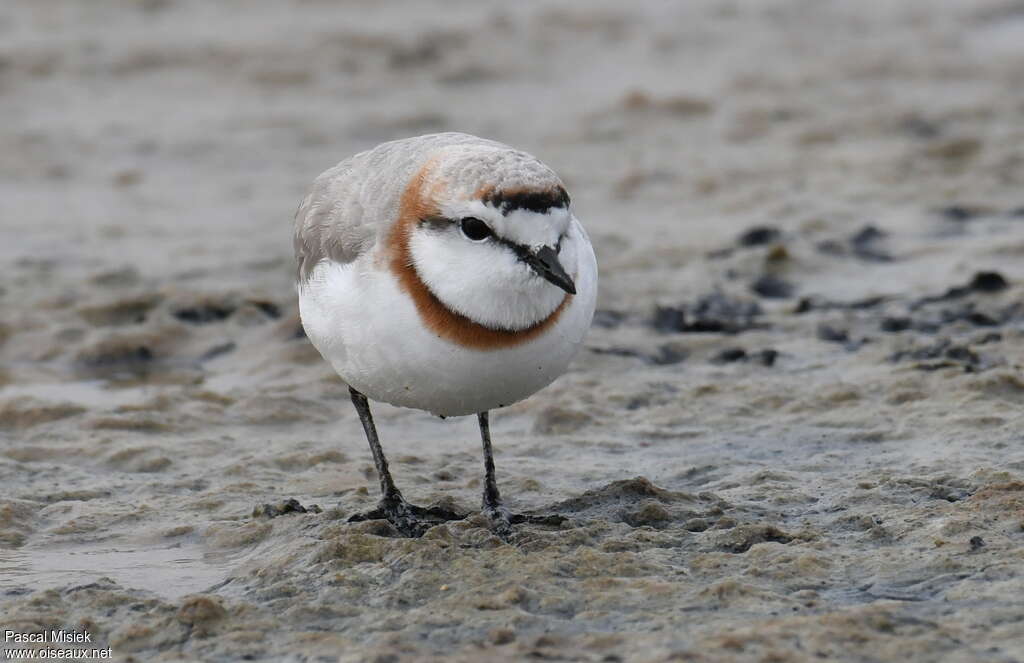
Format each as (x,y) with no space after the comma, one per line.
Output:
(795,430)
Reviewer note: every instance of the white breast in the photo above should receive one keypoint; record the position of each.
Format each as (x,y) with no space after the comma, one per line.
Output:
(369,330)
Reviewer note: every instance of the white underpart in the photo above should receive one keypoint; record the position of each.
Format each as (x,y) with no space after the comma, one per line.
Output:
(360,320)
(485,281)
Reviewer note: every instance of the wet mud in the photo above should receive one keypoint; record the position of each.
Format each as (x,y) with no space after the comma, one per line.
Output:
(793,434)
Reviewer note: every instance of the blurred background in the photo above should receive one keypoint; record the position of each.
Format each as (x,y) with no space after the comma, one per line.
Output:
(809,220)
(180,135)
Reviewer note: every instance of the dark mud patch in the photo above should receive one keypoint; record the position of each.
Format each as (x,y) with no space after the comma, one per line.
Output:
(758,236)
(962,213)
(959,213)
(268,308)
(608,318)
(982,282)
(944,353)
(730,355)
(665,355)
(282,508)
(894,324)
(713,313)
(814,303)
(968,303)
(211,309)
(754,236)
(970,313)
(931,322)
(831,334)
(770,286)
(218,350)
(766,357)
(202,314)
(866,244)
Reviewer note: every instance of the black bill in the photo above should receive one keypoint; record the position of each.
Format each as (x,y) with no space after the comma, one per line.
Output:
(545,263)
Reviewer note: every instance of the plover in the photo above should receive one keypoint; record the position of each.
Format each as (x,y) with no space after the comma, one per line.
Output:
(446,273)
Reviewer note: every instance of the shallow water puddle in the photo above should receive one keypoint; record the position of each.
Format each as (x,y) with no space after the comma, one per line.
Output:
(170,572)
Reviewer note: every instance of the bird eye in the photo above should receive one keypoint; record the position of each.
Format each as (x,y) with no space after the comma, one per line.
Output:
(475,229)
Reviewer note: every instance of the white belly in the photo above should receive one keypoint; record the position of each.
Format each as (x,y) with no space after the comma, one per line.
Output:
(370,332)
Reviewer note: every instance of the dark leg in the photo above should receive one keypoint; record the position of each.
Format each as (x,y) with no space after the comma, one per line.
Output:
(501,519)
(393,506)
(492,506)
(387,484)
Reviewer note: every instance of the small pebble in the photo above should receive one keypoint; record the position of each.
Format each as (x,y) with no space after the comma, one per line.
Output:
(730,355)
(832,334)
(988,282)
(768,356)
(895,324)
(772,287)
(758,235)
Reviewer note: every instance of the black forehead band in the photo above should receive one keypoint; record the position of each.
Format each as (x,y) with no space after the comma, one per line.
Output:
(531,201)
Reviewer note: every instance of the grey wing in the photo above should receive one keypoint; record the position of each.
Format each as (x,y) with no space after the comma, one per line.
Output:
(349,205)
(331,221)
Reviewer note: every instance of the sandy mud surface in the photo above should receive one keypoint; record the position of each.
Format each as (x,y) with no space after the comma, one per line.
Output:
(795,432)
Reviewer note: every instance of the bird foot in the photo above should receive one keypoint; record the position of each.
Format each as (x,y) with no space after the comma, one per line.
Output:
(410,520)
(502,520)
